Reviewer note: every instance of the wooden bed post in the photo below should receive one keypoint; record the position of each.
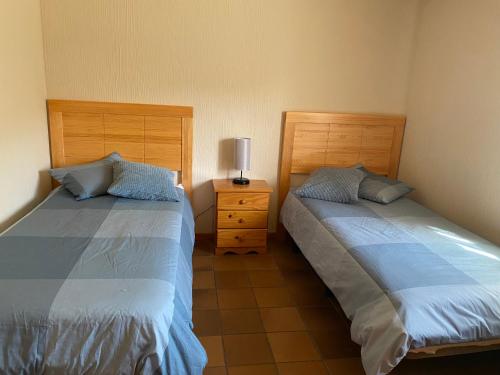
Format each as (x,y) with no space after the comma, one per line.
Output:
(187,155)
(285,169)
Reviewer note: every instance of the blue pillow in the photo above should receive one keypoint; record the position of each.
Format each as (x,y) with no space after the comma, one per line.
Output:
(59,173)
(332,184)
(89,182)
(142,181)
(381,189)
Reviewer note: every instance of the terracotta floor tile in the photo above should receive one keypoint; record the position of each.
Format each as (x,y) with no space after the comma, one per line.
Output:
(309,296)
(351,366)
(303,278)
(278,251)
(229,263)
(214,371)
(304,368)
(281,319)
(247,349)
(241,321)
(202,252)
(292,346)
(273,297)
(253,370)
(296,262)
(204,248)
(328,338)
(322,318)
(205,299)
(277,247)
(203,280)
(231,279)
(237,298)
(335,344)
(266,278)
(259,262)
(207,322)
(213,347)
(203,263)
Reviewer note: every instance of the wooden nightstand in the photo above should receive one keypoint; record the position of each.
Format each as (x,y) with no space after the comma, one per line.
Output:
(241,216)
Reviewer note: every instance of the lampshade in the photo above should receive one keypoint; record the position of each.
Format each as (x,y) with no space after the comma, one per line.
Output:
(242,154)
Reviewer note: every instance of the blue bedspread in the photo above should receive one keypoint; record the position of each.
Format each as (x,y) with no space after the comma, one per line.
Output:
(406,277)
(101,286)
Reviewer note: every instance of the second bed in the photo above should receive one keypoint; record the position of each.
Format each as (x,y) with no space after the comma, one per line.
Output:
(411,282)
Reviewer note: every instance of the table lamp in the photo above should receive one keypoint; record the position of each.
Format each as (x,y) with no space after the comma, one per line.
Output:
(241,159)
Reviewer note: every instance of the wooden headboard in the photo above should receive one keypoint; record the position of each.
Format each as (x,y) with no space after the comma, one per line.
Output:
(162,135)
(311,140)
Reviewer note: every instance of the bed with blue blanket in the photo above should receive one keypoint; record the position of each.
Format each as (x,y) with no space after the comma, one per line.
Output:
(407,278)
(99,286)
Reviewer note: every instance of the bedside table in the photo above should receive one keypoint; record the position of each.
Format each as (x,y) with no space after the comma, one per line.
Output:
(241,216)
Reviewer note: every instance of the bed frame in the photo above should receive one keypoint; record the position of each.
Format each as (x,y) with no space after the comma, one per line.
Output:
(162,135)
(311,140)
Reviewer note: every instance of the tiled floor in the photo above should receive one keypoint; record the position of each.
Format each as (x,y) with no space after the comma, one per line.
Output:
(270,314)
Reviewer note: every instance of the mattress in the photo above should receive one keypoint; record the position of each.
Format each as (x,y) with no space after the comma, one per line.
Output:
(100,286)
(406,277)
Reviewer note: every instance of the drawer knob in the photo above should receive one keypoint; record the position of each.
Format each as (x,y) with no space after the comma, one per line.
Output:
(230,216)
(242,201)
(241,221)
(237,238)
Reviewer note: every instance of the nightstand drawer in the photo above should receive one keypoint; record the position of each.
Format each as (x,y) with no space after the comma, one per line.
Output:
(243,201)
(242,219)
(241,237)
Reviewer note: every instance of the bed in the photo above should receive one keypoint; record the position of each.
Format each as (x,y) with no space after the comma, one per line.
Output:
(412,283)
(104,285)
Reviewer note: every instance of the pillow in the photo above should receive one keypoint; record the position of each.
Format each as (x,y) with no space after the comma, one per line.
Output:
(59,173)
(381,189)
(89,182)
(332,184)
(142,181)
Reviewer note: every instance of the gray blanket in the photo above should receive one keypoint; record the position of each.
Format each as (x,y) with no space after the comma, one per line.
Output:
(406,277)
(101,286)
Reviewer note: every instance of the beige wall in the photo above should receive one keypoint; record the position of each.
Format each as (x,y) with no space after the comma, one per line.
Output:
(24,150)
(240,64)
(451,152)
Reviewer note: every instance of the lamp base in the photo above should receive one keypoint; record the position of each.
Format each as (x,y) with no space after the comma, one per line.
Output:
(241,181)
